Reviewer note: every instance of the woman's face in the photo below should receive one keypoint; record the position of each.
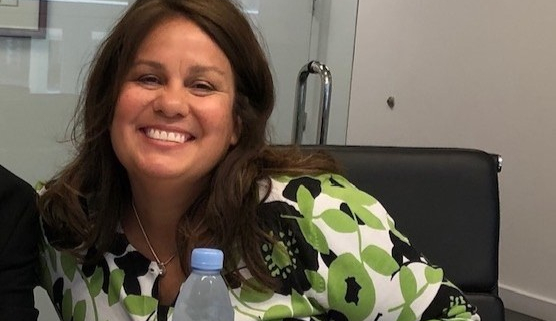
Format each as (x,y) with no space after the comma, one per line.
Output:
(173,119)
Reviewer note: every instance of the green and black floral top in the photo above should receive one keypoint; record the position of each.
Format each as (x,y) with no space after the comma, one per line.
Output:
(339,257)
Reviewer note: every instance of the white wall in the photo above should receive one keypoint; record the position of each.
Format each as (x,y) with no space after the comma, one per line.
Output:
(479,74)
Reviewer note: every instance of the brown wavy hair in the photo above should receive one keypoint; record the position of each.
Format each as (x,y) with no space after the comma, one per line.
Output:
(85,201)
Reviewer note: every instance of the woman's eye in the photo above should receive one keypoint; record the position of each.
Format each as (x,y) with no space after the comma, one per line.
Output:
(204,86)
(149,80)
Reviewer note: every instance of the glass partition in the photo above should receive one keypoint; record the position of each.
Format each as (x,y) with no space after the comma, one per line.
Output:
(297,32)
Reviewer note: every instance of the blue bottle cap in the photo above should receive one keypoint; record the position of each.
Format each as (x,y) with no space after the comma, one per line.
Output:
(207,259)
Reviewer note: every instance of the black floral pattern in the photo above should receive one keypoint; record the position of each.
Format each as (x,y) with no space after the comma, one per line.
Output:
(89,269)
(402,252)
(134,265)
(312,185)
(291,255)
(448,296)
(58,293)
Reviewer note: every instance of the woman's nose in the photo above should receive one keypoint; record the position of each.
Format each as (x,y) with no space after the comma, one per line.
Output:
(172,103)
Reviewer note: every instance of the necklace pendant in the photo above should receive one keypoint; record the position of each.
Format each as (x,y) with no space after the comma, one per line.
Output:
(162,268)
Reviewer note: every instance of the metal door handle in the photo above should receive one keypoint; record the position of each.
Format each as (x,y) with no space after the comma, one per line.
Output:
(313,67)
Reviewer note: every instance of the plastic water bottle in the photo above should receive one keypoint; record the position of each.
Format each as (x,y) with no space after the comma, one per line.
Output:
(204,295)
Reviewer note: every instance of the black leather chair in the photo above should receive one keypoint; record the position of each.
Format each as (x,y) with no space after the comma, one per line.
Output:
(446,201)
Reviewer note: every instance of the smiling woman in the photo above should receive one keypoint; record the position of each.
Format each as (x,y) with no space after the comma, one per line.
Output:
(172,155)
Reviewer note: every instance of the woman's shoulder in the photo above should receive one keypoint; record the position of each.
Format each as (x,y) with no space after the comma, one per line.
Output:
(321,187)
(326,199)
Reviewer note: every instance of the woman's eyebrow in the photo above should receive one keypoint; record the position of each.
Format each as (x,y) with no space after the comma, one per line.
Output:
(196,69)
(149,63)
(200,69)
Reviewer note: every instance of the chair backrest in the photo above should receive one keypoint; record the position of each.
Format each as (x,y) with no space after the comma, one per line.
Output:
(444,199)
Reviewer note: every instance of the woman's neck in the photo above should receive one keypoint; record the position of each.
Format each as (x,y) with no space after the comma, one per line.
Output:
(159,207)
(162,203)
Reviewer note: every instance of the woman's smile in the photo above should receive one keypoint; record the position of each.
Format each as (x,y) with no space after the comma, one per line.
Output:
(167,136)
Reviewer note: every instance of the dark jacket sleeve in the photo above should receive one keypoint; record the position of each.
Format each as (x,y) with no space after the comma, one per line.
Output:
(19,235)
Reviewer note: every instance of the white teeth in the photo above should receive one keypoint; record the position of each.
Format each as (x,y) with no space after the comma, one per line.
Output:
(165,136)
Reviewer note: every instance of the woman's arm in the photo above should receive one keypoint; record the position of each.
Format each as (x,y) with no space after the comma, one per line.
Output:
(19,232)
(353,261)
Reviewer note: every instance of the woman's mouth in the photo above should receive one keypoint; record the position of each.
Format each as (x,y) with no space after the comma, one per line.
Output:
(167,136)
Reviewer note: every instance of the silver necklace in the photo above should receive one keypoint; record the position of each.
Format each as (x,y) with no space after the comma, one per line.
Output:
(161,265)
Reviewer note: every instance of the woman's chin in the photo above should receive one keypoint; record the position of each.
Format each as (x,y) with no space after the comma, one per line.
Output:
(158,173)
